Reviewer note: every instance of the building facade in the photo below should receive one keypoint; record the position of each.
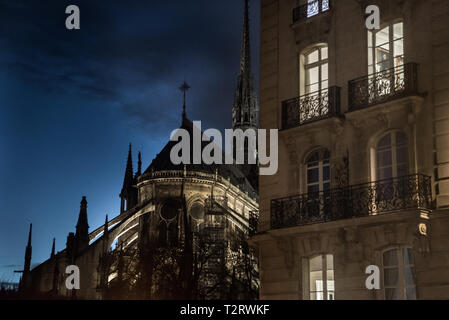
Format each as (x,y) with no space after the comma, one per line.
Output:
(363,174)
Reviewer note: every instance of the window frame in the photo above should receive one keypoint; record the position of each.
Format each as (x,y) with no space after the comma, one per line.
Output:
(323,156)
(307,293)
(373,46)
(305,66)
(393,148)
(400,266)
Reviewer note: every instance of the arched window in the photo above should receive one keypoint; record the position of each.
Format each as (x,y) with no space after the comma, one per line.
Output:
(391,156)
(399,274)
(314,71)
(318,171)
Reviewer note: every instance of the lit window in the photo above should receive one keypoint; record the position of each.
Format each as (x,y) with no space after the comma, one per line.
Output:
(399,274)
(316,70)
(386,48)
(321,278)
(314,7)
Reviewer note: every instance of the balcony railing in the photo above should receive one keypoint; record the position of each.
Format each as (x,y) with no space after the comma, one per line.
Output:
(408,192)
(383,86)
(311,107)
(310,9)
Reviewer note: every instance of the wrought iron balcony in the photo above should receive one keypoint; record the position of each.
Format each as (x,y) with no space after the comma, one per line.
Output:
(383,86)
(311,107)
(408,192)
(310,9)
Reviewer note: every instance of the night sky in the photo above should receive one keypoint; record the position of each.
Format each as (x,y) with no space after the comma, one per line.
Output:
(72,100)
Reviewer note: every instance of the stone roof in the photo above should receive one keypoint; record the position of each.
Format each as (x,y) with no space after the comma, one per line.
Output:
(162,162)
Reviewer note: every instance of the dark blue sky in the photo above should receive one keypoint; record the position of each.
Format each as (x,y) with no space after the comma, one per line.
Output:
(72,101)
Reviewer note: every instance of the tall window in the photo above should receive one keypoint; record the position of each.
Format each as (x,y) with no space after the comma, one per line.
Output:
(318,171)
(391,156)
(321,278)
(316,70)
(386,48)
(399,274)
(386,61)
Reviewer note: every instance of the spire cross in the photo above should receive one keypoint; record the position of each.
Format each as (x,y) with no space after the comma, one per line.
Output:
(184,88)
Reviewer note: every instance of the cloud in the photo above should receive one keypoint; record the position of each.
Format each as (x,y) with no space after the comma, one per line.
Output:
(133,49)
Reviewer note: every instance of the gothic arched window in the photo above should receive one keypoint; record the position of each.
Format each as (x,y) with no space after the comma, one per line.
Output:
(168,227)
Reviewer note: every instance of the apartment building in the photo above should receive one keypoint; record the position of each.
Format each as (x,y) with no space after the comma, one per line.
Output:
(363,175)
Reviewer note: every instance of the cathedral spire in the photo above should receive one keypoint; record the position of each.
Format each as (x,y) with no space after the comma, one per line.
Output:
(128,180)
(139,164)
(184,88)
(53,249)
(245,112)
(245,59)
(128,195)
(82,227)
(28,251)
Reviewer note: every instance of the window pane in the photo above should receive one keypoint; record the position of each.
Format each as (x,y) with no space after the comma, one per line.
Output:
(384,173)
(312,76)
(324,71)
(407,254)
(391,258)
(316,278)
(316,295)
(324,53)
(384,158)
(392,294)
(398,30)
(410,293)
(330,264)
(401,138)
(409,276)
(313,163)
(391,277)
(312,175)
(313,189)
(312,88)
(325,5)
(383,36)
(324,85)
(326,173)
(316,264)
(385,142)
(402,170)
(312,57)
(398,48)
(401,154)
